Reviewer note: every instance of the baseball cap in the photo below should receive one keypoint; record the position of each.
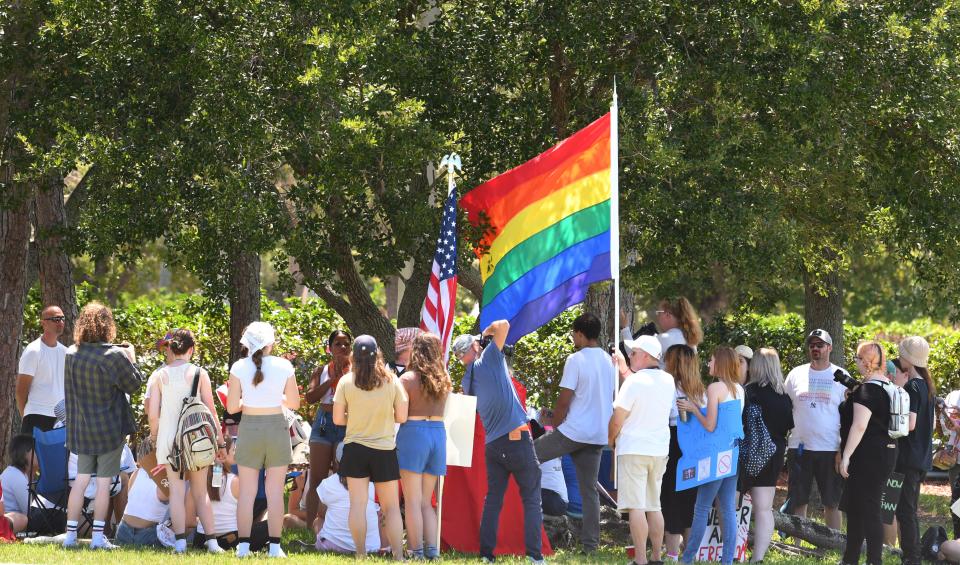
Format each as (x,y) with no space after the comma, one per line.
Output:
(744,351)
(364,345)
(646,343)
(822,335)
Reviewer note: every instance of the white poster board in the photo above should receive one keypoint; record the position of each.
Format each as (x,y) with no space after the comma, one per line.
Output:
(459,417)
(711,546)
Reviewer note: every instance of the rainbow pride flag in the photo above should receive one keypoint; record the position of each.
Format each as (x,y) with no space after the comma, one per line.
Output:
(550,232)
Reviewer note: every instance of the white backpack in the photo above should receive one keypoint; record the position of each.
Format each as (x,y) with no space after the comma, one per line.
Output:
(899,408)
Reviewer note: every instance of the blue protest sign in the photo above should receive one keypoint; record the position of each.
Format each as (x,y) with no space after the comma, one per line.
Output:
(709,456)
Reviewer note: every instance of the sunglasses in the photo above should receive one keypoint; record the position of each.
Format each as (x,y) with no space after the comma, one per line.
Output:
(56,319)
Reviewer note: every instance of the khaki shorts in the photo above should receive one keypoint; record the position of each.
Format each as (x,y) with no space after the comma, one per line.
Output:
(638,482)
(103,465)
(263,442)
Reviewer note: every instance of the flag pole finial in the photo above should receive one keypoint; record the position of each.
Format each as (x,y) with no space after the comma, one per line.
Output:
(452,164)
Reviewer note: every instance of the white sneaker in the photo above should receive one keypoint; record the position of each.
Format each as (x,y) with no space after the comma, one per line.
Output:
(277,554)
(242,551)
(214,547)
(165,536)
(105,544)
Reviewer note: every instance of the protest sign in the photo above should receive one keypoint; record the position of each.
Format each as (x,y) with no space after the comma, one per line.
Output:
(459,417)
(709,456)
(711,546)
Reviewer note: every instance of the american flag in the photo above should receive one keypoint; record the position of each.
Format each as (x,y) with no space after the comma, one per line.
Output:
(437,313)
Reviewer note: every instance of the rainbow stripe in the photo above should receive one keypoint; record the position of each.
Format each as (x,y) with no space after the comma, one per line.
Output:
(549,235)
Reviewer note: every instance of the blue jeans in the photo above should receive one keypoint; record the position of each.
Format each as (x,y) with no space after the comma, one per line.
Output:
(517,458)
(137,536)
(726,491)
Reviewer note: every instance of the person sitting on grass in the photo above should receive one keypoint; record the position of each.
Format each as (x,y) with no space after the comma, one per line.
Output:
(146,508)
(334,534)
(15,482)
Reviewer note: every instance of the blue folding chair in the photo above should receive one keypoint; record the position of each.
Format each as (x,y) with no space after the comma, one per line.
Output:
(51,488)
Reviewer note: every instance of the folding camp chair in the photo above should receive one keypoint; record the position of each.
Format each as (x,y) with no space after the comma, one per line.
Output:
(50,489)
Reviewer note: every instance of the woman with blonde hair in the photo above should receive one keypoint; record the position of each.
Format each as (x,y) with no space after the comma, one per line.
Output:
(678,323)
(724,366)
(868,455)
(369,400)
(422,442)
(776,409)
(682,363)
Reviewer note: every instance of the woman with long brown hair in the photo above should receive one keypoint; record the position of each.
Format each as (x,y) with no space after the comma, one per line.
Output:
(683,365)
(725,367)
(422,441)
(678,323)
(369,401)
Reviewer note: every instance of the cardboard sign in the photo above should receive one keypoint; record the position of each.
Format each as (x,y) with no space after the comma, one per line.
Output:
(459,417)
(709,456)
(890,496)
(711,546)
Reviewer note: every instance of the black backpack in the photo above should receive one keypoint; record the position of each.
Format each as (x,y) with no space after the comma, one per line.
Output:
(756,447)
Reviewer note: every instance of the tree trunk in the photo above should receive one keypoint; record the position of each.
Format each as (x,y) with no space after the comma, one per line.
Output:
(55,269)
(244,298)
(14,243)
(599,302)
(823,306)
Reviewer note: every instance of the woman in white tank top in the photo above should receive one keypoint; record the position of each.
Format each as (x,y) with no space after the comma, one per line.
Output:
(725,366)
(171,384)
(260,387)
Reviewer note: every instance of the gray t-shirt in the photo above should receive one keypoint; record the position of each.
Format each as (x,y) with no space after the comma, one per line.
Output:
(15,486)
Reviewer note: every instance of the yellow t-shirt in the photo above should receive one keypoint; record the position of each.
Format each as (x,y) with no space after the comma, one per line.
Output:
(370,417)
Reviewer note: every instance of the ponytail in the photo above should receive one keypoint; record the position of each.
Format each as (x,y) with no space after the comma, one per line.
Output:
(687,319)
(931,386)
(258,362)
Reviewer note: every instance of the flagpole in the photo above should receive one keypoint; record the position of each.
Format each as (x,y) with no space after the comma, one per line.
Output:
(615,238)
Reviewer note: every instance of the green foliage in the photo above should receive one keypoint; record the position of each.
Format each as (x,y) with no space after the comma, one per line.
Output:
(302,328)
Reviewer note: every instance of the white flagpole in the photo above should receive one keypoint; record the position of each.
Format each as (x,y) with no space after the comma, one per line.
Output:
(615,237)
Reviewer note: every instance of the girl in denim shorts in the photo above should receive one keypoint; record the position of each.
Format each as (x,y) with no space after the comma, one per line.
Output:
(422,442)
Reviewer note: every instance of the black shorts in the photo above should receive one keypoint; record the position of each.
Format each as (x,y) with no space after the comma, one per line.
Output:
(362,462)
(819,465)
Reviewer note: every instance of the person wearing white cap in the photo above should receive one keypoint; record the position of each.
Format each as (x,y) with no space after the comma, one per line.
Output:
(815,439)
(261,386)
(915,450)
(744,355)
(640,431)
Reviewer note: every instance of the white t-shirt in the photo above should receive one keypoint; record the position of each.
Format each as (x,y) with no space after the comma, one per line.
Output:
(335,526)
(590,374)
(269,393)
(551,478)
(951,401)
(45,365)
(648,395)
(816,408)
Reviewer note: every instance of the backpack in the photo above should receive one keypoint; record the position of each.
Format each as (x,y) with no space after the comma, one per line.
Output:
(756,447)
(899,425)
(195,443)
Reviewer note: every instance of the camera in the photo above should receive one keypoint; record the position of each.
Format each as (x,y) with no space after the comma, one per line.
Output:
(646,329)
(845,379)
(484,341)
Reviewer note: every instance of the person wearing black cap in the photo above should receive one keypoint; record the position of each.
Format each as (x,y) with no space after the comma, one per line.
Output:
(369,400)
(813,444)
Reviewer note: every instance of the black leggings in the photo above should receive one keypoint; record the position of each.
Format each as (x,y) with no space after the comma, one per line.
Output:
(869,470)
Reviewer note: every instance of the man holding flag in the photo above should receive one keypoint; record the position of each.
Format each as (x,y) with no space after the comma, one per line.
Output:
(509,446)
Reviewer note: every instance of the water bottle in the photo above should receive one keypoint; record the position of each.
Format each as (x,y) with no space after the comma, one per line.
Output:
(216,479)
(682,413)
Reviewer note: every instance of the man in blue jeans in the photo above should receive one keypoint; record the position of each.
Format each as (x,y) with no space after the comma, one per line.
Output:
(509,446)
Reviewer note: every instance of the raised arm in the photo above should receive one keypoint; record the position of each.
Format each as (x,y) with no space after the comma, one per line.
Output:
(498,330)
(317,390)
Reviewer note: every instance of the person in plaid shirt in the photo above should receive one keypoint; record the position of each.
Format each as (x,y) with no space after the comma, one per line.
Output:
(98,376)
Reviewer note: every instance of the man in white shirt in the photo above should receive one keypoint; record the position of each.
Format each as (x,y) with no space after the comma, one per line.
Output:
(640,429)
(813,444)
(40,374)
(583,409)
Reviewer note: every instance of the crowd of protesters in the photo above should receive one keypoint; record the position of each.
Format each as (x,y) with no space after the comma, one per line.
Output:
(378,440)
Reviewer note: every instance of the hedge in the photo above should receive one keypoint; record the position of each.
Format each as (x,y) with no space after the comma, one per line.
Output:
(303,327)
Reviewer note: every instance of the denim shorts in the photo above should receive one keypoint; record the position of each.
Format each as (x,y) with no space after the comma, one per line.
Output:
(325,431)
(127,535)
(422,447)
